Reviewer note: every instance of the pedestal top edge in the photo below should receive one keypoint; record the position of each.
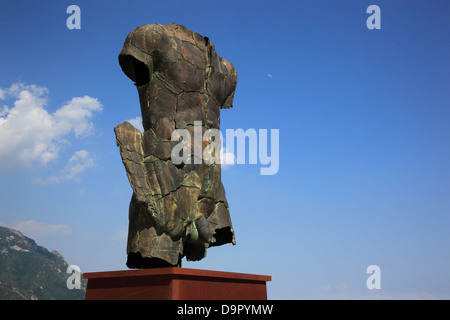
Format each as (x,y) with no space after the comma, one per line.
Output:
(175,271)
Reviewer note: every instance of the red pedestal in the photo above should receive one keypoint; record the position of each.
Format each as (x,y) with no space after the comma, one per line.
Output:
(175,284)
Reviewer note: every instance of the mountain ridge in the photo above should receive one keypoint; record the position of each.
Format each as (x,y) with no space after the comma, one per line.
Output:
(31,272)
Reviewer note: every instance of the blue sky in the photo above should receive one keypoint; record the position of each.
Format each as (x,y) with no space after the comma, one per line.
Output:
(364,138)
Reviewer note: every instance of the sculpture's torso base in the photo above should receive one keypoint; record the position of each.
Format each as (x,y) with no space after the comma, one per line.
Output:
(175,284)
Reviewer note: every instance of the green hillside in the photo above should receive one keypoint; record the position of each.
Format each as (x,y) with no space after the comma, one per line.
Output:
(31,272)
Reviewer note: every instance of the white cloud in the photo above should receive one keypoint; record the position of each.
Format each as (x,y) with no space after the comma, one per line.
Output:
(29,134)
(35,229)
(75,115)
(269,75)
(4,111)
(77,164)
(137,123)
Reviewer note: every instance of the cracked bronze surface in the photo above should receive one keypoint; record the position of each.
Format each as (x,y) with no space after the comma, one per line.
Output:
(179,210)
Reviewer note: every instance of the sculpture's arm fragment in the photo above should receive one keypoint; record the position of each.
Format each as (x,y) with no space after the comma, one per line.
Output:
(129,141)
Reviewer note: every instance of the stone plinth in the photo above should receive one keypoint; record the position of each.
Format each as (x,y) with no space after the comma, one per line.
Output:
(175,284)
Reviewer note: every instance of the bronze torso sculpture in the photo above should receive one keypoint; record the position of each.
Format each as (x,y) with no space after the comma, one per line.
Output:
(177,210)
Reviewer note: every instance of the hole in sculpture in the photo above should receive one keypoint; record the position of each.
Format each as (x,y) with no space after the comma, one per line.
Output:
(134,69)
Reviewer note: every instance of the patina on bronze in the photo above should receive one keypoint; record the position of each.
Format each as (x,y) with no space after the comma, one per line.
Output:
(177,210)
